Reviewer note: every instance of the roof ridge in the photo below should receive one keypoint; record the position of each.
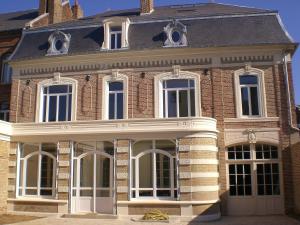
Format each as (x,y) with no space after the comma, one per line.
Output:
(21,11)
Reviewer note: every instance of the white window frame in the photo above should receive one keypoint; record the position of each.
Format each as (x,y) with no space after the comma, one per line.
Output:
(115,33)
(6,68)
(5,112)
(173,175)
(158,87)
(105,97)
(253,162)
(124,23)
(260,92)
(24,172)
(50,82)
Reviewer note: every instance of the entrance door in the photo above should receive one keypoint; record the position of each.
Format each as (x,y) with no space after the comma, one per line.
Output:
(93,191)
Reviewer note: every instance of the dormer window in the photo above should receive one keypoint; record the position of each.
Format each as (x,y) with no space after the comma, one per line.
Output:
(59,43)
(115,33)
(176,34)
(115,38)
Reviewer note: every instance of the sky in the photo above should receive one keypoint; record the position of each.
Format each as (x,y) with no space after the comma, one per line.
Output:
(288,9)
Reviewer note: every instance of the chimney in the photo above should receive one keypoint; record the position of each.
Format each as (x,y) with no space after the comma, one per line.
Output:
(43,7)
(147,6)
(77,10)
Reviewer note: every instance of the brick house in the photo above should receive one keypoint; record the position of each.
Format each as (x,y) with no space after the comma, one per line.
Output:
(181,108)
(11,27)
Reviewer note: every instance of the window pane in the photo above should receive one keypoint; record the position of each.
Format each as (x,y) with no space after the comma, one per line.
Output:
(52,108)
(248,79)
(62,111)
(32,171)
(70,108)
(254,101)
(44,108)
(119,40)
(192,97)
(146,171)
(112,41)
(58,89)
(111,106)
(46,171)
(245,101)
(183,104)
(177,83)
(120,106)
(116,86)
(172,104)
(102,171)
(87,171)
(162,171)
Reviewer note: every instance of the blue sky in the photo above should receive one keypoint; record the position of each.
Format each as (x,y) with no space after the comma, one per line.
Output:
(289,11)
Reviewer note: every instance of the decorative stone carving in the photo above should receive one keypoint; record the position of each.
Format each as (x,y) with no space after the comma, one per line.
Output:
(251,136)
(176,70)
(56,77)
(248,68)
(114,74)
(143,95)
(176,34)
(26,101)
(87,98)
(59,43)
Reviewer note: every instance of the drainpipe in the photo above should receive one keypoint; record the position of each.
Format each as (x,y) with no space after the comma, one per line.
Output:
(286,75)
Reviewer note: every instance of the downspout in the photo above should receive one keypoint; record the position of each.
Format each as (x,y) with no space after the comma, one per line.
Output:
(286,76)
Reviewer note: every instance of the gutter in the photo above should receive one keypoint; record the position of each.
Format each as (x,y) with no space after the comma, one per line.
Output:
(286,75)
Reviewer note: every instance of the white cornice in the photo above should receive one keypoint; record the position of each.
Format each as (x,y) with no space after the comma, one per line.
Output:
(5,131)
(118,127)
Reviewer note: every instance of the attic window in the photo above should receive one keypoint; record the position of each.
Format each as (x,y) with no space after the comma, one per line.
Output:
(115,38)
(176,34)
(59,43)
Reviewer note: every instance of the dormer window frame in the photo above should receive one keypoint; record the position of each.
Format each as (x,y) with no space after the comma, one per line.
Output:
(111,23)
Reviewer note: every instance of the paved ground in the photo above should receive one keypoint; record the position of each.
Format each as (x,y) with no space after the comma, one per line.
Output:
(264,220)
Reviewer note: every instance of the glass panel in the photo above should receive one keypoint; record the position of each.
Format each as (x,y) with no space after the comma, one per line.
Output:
(70,108)
(120,106)
(248,79)
(21,173)
(102,193)
(52,108)
(84,147)
(245,101)
(116,86)
(177,83)
(50,148)
(112,41)
(192,101)
(102,171)
(31,192)
(162,171)
(163,193)
(183,104)
(146,171)
(141,146)
(75,173)
(58,89)
(86,193)
(172,104)
(119,40)
(46,171)
(46,192)
(62,110)
(27,149)
(146,193)
(111,106)
(254,101)
(87,171)
(166,145)
(32,171)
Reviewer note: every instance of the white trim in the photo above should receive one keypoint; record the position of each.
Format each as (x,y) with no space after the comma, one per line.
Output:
(255,119)
(56,81)
(188,175)
(30,23)
(165,202)
(116,76)
(261,91)
(158,89)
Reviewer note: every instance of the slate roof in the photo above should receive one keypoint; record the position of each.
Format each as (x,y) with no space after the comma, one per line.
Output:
(16,20)
(208,25)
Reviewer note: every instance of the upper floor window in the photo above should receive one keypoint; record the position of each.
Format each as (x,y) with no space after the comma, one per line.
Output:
(116,100)
(57,103)
(6,73)
(4,111)
(115,38)
(179,98)
(250,95)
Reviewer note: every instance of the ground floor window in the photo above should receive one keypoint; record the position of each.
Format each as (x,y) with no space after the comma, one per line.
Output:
(253,169)
(153,169)
(37,170)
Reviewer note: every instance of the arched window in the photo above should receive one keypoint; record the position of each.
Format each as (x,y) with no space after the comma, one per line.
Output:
(254,170)
(250,96)
(57,100)
(154,169)
(37,170)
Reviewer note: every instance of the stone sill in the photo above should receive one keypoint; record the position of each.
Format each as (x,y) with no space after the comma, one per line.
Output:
(165,202)
(37,200)
(251,119)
